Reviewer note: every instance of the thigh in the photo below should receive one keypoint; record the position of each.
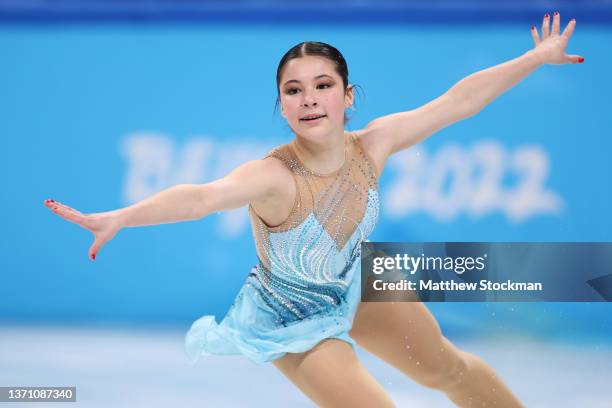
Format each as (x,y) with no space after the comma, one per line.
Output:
(407,336)
(331,376)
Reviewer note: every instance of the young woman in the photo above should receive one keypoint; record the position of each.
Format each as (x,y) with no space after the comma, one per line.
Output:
(312,202)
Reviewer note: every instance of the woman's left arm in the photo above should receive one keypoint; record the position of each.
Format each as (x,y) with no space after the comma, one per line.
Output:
(483,86)
(470,95)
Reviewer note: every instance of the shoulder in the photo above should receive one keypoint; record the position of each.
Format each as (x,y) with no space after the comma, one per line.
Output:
(263,177)
(273,164)
(278,160)
(369,139)
(273,170)
(281,186)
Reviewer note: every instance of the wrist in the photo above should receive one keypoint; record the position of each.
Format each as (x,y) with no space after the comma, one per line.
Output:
(536,56)
(120,217)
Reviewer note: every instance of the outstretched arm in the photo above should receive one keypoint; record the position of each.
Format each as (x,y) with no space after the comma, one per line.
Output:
(249,182)
(252,181)
(467,97)
(483,86)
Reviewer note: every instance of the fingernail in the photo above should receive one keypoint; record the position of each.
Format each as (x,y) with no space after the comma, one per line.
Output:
(556,13)
(93,257)
(546,15)
(573,19)
(533,27)
(580,59)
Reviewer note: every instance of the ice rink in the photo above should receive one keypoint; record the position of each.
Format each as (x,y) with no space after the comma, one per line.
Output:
(148,368)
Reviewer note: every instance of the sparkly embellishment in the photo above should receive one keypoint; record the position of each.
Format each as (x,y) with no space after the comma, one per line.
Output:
(307,263)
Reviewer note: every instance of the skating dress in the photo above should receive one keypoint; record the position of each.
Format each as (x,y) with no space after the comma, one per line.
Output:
(307,283)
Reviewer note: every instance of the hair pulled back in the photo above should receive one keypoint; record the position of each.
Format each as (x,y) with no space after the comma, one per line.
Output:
(318,49)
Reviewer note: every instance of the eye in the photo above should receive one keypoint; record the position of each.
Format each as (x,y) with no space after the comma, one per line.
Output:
(292,91)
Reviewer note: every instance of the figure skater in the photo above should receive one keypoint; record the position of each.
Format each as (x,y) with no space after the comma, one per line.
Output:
(311,203)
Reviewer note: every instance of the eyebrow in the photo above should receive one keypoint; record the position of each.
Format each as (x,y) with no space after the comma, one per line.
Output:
(317,77)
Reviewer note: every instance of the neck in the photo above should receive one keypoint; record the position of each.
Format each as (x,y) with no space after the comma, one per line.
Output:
(322,156)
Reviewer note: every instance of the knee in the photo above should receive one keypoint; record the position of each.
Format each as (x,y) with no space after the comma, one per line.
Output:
(448,374)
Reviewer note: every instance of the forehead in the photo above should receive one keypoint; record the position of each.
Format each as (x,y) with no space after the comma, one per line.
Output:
(307,67)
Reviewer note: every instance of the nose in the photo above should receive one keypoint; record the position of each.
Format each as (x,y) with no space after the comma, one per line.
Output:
(309,99)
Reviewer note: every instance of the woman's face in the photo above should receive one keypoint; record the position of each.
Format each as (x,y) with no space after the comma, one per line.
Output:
(310,86)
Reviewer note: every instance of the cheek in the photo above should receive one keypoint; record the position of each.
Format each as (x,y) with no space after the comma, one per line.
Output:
(290,107)
(335,106)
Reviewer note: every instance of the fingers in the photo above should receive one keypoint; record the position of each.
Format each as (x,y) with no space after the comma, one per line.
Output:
(84,220)
(95,247)
(535,36)
(98,243)
(574,59)
(556,23)
(556,26)
(66,208)
(569,29)
(56,205)
(66,212)
(60,210)
(545,26)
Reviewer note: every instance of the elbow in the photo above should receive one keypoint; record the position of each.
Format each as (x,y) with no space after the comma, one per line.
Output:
(202,204)
(466,106)
(469,107)
(472,109)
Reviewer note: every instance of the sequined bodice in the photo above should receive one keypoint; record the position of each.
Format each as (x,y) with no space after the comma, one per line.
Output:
(307,262)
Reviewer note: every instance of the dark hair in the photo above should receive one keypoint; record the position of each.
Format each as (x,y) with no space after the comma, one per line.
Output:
(318,49)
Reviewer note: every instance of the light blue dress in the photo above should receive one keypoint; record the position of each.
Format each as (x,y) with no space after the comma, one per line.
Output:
(307,284)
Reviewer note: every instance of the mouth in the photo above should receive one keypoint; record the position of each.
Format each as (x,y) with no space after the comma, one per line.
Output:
(312,118)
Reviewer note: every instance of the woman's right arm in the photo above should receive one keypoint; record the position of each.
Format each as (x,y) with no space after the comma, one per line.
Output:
(252,181)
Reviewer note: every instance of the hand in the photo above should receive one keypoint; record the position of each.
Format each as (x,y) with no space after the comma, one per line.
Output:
(550,49)
(104,225)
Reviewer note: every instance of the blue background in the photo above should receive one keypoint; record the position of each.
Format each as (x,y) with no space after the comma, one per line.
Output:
(99,113)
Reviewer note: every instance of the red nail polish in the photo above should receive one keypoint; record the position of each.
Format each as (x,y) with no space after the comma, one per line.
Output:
(580,59)
(533,27)
(93,257)
(52,201)
(546,15)
(556,13)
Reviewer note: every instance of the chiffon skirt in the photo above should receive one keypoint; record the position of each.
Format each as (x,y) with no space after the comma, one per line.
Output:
(251,328)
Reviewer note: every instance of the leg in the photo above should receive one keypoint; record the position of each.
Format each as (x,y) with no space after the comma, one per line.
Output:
(331,376)
(407,336)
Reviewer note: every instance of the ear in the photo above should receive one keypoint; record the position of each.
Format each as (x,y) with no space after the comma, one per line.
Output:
(349,97)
